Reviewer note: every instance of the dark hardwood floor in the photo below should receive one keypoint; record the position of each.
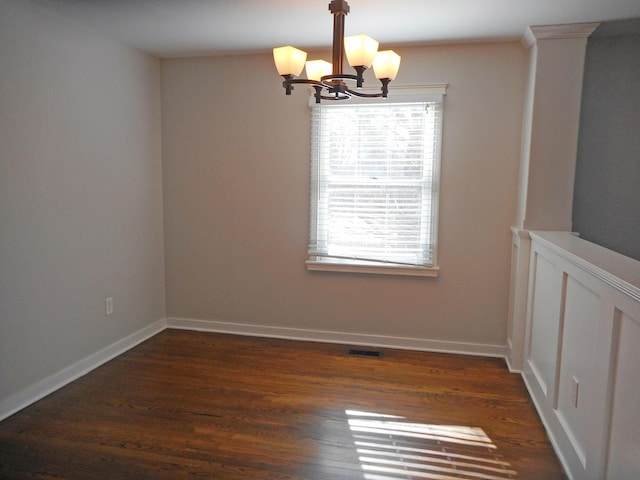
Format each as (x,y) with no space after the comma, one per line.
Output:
(200,405)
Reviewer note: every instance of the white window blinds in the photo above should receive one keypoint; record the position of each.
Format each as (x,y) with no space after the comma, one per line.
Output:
(374,183)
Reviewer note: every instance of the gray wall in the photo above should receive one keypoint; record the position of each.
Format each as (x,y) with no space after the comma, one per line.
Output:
(80,193)
(606,207)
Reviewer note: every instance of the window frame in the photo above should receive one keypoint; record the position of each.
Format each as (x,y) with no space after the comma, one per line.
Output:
(429,93)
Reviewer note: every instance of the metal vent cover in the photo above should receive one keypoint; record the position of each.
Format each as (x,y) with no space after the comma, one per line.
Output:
(356,352)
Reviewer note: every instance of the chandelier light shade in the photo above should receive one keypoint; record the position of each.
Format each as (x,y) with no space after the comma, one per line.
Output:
(316,69)
(360,50)
(328,79)
(386,64)
(289,60)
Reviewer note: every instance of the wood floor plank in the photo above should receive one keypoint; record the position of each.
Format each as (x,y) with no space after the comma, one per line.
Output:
(200,405)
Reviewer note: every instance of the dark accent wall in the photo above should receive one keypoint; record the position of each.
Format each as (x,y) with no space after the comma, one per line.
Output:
(606,202)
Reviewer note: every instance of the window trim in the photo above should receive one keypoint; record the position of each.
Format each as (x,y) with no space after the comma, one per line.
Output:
(380,269)
(426,93)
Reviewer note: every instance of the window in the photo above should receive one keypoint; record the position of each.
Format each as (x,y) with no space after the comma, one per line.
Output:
(374,185)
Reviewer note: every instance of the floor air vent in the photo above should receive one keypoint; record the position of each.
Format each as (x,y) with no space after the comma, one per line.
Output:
(365,353)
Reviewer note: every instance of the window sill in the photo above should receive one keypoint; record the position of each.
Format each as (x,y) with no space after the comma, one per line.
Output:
(324,266)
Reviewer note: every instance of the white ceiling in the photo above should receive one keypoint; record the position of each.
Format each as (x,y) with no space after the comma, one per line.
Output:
(170,28)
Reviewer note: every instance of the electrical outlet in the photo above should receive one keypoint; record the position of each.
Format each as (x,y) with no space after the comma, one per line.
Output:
(575,388)
(108,306)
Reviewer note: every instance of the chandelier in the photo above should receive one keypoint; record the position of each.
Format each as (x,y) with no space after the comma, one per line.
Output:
(328,80)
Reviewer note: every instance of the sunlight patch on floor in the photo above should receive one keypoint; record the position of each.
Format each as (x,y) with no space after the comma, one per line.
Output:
(391,448)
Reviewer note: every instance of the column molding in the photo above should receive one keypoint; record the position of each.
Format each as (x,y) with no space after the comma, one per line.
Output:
(543,32)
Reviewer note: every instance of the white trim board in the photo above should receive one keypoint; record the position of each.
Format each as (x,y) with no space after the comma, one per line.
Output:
(67,375)
(338,337)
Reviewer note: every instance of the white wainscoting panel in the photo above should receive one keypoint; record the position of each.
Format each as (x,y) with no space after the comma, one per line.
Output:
(545,311)
(582,382)
(582,354)
(624,455)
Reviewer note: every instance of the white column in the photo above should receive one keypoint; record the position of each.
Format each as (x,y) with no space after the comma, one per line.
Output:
(518,284)
(548,155)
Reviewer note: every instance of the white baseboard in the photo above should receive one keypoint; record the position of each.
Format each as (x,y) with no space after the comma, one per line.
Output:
(338,337)
(549,428)
(58,380)
(511,365)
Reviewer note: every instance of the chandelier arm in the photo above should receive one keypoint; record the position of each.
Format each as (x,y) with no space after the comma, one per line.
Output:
(339,91)
(326,79)
(360,75)
(337,95)
(385,86)
(364,95)
(303,80)
(383,93)
(290,80)
(333,97)
(318,93)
